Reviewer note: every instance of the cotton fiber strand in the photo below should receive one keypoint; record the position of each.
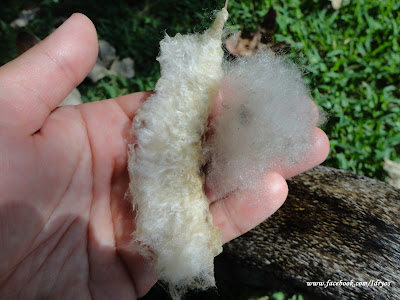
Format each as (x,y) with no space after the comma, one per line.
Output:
(266,122)
(174,226)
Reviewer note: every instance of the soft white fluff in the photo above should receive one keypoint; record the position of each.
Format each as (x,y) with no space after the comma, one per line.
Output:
(266,122)
(174,225)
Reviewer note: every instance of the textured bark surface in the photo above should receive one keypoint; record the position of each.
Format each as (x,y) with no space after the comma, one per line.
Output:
(335,225)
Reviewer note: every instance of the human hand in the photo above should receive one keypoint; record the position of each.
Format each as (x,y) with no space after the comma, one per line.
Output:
(65,225)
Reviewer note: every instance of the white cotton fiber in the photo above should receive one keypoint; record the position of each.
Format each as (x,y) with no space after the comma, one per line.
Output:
(266,122)
(174,226)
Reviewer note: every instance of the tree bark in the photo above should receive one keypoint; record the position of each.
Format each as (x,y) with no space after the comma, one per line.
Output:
(335,225)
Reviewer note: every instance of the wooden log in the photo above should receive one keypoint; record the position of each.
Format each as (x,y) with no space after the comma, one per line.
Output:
(335,225)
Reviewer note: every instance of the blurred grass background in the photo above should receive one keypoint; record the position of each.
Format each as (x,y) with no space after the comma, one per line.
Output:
(350,58)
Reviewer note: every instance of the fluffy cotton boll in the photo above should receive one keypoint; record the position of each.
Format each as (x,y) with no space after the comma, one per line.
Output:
(174,225)
(266,122)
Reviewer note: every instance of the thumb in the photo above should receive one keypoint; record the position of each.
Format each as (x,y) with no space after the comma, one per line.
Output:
(36,82)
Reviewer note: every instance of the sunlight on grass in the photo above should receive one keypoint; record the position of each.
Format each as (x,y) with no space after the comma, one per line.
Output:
(351,58)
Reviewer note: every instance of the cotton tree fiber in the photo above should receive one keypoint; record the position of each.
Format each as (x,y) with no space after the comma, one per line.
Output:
(174,225)
(265,122)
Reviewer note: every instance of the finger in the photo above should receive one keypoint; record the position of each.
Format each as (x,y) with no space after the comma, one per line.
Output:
(131,103)
(319,152)
(242,211)
(218,106)
(36,82)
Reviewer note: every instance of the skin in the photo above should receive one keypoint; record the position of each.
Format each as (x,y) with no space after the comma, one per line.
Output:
(65,223)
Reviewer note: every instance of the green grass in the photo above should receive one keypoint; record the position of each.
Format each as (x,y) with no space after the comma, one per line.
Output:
(352,61)
(350,57)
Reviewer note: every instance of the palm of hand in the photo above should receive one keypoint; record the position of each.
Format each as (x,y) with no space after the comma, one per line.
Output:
(65,226)
(64,215)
